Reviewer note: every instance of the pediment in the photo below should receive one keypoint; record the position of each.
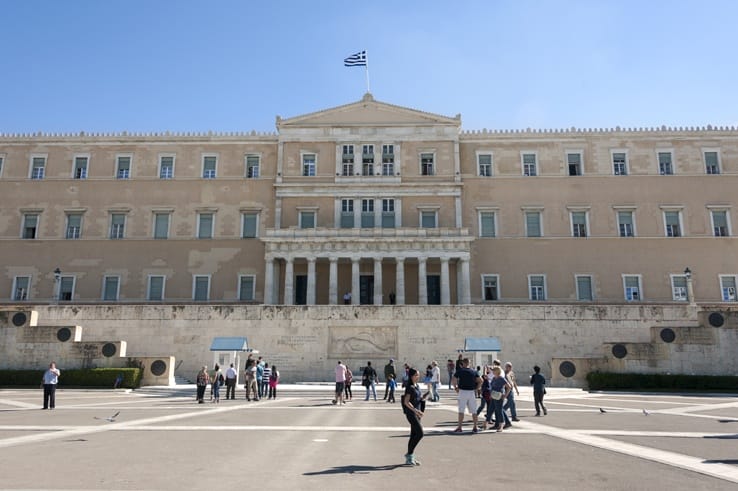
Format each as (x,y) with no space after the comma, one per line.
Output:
(368,112)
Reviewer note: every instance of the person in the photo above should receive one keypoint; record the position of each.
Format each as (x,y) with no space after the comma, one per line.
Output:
(392,384)
(265,380)
(347,298)
(466,381)
(411,407)
(349,378)
(485,399)
(510,403)
(230,382)
(369,380)
(435,381)
(539,389)
(389,370)
(215,382)
(259,377)
(392,298)
(273,382)
(50,380)
(450,368)
(118,381)
(499,389)
(251,381)
(202,381)
(340,383)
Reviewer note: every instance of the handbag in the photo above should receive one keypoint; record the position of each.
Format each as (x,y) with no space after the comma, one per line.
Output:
(496,395)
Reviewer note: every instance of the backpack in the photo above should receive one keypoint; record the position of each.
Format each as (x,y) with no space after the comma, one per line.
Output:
(221,379)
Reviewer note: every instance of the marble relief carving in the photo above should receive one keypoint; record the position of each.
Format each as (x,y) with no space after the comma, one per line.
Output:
(353,342)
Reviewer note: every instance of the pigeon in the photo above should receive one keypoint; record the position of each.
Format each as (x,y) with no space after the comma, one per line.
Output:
(110,419)
(645,413)
(602,411)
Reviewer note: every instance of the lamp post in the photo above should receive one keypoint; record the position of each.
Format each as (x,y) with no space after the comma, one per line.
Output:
(57,285)
(690,290)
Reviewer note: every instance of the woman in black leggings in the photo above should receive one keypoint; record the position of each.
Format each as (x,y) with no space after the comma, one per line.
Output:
(411,403)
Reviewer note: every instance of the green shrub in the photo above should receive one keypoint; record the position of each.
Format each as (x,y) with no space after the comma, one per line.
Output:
(661,382)
(83,377)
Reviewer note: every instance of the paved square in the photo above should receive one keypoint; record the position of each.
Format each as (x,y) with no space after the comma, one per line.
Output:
(162,439)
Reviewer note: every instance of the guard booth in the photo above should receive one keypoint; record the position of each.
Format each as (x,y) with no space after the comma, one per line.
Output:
(227,350)
(485,350)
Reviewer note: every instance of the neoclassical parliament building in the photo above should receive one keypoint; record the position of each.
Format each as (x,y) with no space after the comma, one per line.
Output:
(371,203)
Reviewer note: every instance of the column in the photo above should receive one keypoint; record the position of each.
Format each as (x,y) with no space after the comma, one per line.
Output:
(357,212)
(333,281)
(465,288)
(400,281)
(355,280)
(311,282)
(269,282)
(377,281)
(422,283)
(289,280)
(445,286)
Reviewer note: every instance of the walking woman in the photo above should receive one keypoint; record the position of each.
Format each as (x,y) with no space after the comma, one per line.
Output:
(539,389)
(273,382)
(347,384)
(411,401)
(202,382)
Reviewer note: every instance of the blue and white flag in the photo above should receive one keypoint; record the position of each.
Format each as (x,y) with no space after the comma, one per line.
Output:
(358,59)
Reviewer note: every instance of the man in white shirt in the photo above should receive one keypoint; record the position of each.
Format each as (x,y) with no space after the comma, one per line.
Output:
(435,381)
(231,382)
(340,383)
(51,378)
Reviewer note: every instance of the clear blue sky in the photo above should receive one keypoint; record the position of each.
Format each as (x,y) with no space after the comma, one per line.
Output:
(186,65)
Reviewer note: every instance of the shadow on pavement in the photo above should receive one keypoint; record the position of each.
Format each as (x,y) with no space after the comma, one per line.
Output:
(355,469)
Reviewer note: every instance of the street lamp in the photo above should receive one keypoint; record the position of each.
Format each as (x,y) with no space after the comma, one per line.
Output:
(688,273)
(57,284)
(690,288)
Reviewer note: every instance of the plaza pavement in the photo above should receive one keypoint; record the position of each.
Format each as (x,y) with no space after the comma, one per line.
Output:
(163,440)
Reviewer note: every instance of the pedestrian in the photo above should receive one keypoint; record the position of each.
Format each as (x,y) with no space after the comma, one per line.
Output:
(250,376)
(411,407)
(450,368)
(273,382)
(202,381)
(340,383)
(466,381)
(347,298)
(539,389)
(230,380)
(259,377)
(215,382)
(392,384)
(347,384)
(510,376)
(499,389)
(435,381)
(265,380)
(50,380)
(369,380)
(485,399)
(389,369)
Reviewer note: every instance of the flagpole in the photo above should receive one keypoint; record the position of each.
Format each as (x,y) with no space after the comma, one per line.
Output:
(367,73)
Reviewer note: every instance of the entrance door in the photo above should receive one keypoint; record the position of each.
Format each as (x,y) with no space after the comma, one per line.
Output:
(366,289)
(301,282)
(434,289)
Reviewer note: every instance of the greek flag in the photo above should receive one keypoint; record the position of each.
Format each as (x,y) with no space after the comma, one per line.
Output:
(358,59)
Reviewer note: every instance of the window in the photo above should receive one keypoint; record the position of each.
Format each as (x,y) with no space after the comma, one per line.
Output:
(367,213)
(74,226)
(679,288)
(388,213)
(579,223)
(367,160)
(252,166)
(574,163)
(80,168)
(720,223)
(111,286)
(21,287)
(672,223)
(123,167)
(620,163)
(246,285)
(209,166)
(584,288)
(38,166)
(30,226)
(712,162)
(388,160)
(487,224)
(249,225)
(426,164)
(161,225)
(201,288)
(347,213)
(666,167)
(632,288)
(529,164)
(484,164)
(205,225)
(490,288)
(117,225)
(307,219)
(625,223)
(347,161)
(533,224)
(166,167)
(428,219)
(537,287)
(155,288)
(727,287)
(308,164)
(66,288)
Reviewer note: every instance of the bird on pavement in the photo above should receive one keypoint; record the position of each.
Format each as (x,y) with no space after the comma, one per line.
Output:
(645,413)
(602,411)
(110,419)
